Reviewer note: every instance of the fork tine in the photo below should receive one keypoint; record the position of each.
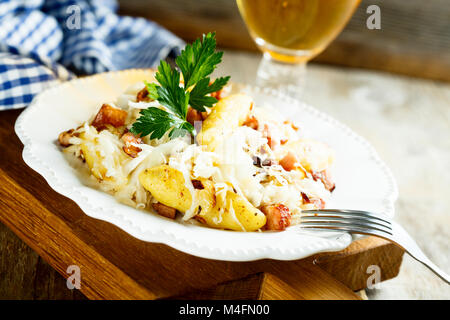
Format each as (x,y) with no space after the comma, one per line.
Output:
(348,218)
(349,221)
(346,223)
(352,213)
(346,228)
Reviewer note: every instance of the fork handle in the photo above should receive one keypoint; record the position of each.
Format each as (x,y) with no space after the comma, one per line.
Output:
(439,272)
(403,239)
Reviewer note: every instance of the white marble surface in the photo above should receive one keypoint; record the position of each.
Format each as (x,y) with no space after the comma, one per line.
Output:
(408,122)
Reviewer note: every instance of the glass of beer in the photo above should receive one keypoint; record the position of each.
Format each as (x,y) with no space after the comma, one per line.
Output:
(290,33)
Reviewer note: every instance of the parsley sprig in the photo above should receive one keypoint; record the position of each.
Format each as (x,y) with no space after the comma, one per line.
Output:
(196,63)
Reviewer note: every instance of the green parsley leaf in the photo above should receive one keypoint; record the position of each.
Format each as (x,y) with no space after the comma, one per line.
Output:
(198,97)
(180,131)
(156,122)
(196,62)
(170,94)
(152,89)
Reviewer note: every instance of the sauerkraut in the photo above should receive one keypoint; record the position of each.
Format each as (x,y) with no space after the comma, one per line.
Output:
(265,160)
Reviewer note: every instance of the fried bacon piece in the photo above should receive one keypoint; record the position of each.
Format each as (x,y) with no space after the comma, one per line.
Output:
(278,216)
(164,210)
(143,95)
(129,139)
(318,203)
(289,161)
(270,141)
(109,115)
(217,94)
(194,115)
(325,177)
(65,136)
(251,122)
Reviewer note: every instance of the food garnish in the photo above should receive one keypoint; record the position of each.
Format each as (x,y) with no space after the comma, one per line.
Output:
(196,62)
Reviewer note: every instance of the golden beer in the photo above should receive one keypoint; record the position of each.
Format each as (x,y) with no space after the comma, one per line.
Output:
(295,30)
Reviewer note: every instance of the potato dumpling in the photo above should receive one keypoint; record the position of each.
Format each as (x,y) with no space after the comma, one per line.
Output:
(206,197)
(235,213)
(93,160)
(228,114)
(167,185)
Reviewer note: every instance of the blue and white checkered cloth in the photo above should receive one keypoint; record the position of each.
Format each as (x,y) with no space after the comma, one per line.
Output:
(40,41)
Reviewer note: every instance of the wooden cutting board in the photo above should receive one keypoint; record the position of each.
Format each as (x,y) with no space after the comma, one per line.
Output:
(114,265)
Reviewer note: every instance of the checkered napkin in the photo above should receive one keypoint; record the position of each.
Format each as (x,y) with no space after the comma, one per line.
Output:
(45,42)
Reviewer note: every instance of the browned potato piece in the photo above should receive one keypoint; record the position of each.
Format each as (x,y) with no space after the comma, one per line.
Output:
(235,213)
(167,186)
(228,114)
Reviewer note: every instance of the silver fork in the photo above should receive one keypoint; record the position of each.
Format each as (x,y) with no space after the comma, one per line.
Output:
(364,222)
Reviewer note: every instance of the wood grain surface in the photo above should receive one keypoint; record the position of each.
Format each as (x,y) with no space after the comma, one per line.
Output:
(414,38)
(25,275)
(115,265)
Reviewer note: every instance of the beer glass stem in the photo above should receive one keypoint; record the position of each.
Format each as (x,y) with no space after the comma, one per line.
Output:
(288,78)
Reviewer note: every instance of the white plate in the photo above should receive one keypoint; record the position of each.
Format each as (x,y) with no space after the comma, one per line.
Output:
(363,180)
